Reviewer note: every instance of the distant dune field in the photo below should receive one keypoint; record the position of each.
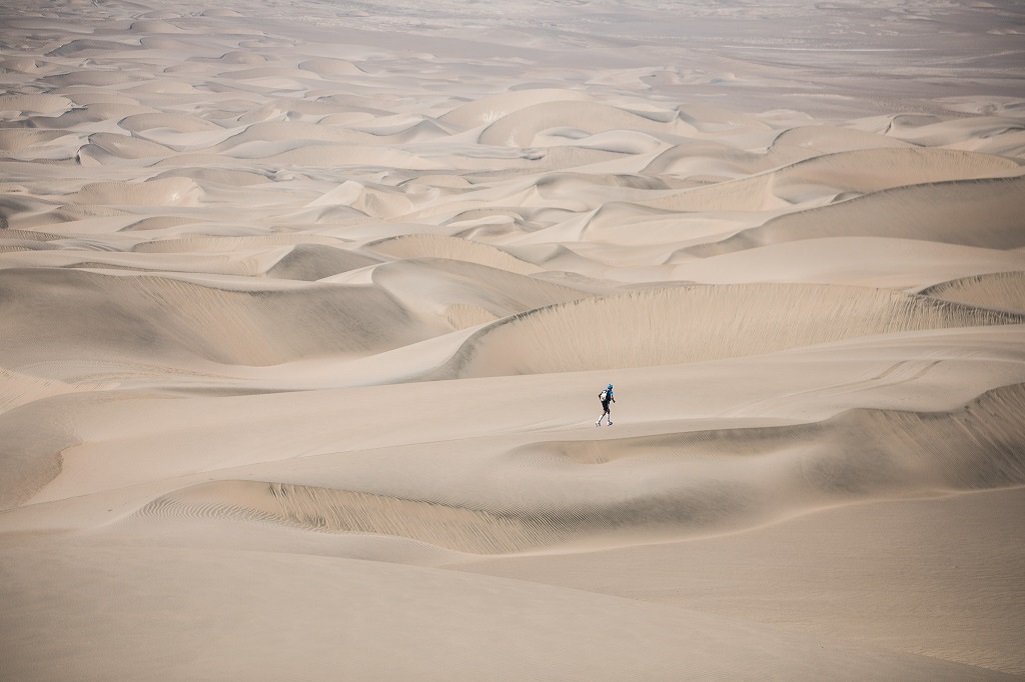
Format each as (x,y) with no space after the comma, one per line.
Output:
(305,307)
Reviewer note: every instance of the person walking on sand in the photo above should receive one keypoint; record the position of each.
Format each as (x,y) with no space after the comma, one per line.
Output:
(606,397)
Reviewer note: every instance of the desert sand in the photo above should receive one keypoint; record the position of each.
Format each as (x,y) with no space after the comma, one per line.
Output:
(305,306)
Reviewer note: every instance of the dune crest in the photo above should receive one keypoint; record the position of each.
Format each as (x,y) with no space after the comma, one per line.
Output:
(671,326)
(1001,291)
(707,482)
(437,246)
(980,213)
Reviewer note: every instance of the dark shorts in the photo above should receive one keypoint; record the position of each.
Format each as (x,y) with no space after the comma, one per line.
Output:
(605,406)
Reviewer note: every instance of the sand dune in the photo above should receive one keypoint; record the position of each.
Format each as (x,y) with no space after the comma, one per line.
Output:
(272,131)
(166,192)
(1000,291)
(981,213)
(735,320)
(35,104)
(91,78)
(467,294)
(434,246)
(839,176)
(15,140)
(304,311)
(86,45)
(231,327)
(326,66)
(936,131)
(706,484)
(204,243)
(717,161)
(102,146)
(221,176)
(521,128)
(826,139)
(176,122)
(862,261)
(311,262)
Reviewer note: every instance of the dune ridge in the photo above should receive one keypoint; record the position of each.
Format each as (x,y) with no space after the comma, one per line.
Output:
(710,481)
(177,319)
(982,213)
(840,175)
(1002,291)
(735,320)
(438,246)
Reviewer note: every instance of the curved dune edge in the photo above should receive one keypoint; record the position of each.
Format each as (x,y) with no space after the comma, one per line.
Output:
(452,248)
(33,456)
(17,389)
(522,128)
(1000,291)
(200,243)
(710,481)
(144,316)
(494,107)
(827,176)
(164,192)
(312,262)
(980,212)
(467,293)
(906,264)
(858,453)
(28,235)
(678,325)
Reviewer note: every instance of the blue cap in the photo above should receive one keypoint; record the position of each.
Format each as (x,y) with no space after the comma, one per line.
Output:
(609,386)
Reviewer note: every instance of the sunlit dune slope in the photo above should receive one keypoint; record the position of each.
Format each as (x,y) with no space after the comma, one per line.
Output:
(669,326)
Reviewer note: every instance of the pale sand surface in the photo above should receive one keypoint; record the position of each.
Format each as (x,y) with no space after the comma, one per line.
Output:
(304,308)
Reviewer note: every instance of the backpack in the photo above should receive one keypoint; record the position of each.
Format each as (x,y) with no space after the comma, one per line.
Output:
(604,395)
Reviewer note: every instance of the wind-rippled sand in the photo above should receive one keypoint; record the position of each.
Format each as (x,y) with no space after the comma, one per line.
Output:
(304,309)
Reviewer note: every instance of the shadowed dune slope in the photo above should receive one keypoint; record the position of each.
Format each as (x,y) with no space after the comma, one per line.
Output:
(489,109)
(103,316)
(311,262)
(164,192)
(829,139)
(858,453)
(453,248)
(466,293)
(30,455)
(201,243)
(984,213)
(670,326)
(860,171)
(522,128)
(1000,291)
(865,261)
